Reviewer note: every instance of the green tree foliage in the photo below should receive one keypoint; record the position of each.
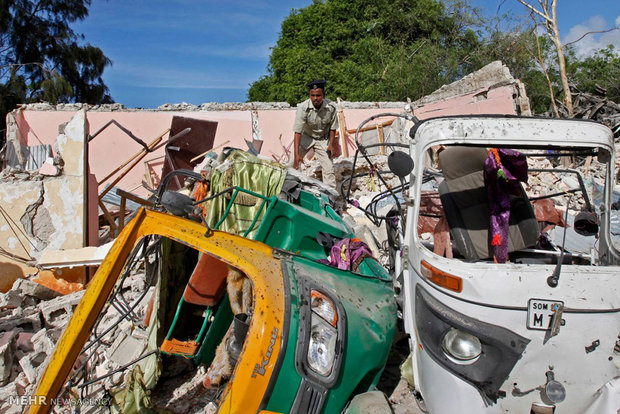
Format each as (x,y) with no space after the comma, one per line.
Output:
(602,69)
(391,50)
(41,58)
(369,49)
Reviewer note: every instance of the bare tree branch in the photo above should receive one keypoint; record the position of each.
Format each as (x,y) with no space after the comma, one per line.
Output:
(541,62)
(550,18)
(592,32)
(533,9)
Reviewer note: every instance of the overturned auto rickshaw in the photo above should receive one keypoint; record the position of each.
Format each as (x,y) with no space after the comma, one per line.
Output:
(508,263)
(296,332)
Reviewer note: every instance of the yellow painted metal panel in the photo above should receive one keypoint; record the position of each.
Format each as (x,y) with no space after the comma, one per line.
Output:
(255,259)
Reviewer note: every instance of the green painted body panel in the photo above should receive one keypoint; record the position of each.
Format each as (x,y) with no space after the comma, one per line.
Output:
(293,228)
(370,311)
(215,333)
(367,299)
(368,303)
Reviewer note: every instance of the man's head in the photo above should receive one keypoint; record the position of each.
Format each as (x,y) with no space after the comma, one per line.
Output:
(317,92)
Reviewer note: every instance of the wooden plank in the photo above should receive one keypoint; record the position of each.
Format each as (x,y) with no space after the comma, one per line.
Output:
(134,198)
(139,158)
(108,217)
(150,146)
(371,127)
(209,150)
(381,138)
(121,217)
(587,165)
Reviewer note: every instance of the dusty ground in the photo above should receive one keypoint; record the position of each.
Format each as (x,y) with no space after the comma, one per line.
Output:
(403,401)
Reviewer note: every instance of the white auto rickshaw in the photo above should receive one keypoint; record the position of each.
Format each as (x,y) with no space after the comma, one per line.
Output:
(510,266)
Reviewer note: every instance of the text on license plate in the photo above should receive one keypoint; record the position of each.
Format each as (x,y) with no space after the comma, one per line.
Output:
(540,313)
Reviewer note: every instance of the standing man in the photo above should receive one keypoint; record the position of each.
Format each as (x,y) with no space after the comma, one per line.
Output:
(315,127)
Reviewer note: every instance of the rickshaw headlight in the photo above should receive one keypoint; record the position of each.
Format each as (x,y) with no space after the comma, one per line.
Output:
(465,348)
(323,333)
(322,346)
(555,391)
(323,306)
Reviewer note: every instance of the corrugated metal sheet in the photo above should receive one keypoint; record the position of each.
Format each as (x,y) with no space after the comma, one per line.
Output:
(112,198)
(11,159)
(36,155)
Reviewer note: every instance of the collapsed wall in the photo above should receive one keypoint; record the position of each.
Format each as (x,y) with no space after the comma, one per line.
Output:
(41,211)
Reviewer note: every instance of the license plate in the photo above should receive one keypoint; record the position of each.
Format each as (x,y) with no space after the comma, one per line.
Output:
(540,313)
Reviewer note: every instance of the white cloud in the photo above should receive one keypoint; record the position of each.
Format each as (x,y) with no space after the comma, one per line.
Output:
(587,45)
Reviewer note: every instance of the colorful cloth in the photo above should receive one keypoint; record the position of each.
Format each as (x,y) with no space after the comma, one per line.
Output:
(503,169)
(347,254)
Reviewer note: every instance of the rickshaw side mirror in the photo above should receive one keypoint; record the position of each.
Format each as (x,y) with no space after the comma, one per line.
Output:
(177,204)
(400,163)
(586,223)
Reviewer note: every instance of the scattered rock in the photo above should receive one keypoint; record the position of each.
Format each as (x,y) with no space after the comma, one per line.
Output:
(29,288)
(31,364)
(58,310)
(7,351)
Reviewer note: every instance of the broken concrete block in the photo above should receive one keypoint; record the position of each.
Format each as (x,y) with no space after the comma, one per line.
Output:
(10,407)
(126,349)
(32,365)
(43,343)
(7,350)
(58,310)
(35,290)
(28,319)
(22,385)
(12,299)
(363,232)
(45,340)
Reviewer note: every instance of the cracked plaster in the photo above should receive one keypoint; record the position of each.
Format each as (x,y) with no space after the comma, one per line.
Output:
(49,210)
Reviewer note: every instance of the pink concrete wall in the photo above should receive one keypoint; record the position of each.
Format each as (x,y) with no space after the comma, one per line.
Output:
(493,101)
(113,147)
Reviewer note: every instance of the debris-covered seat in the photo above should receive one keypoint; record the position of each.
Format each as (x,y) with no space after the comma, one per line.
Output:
(204,290)
(465,201)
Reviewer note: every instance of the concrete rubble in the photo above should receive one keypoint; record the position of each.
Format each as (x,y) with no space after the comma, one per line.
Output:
(597,108)
(32,318)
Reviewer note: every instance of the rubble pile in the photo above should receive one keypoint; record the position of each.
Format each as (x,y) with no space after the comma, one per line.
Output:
(597,108)
(539,182)
(184,393)
(32,318)
(364,188)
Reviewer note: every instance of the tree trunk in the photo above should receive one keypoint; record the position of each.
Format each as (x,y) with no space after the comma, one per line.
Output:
(555,35)
(551,24)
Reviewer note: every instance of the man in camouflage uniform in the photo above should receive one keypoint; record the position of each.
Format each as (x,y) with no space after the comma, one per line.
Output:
(315,127)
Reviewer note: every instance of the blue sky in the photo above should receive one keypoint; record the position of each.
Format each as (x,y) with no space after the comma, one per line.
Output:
(171,51)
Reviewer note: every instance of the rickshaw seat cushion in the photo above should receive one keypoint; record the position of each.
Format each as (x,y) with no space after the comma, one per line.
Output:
(207,283)
(465,202)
